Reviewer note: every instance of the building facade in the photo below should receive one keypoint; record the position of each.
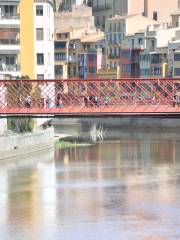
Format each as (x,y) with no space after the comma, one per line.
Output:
(37,40)
(154,9)
(117,28)
(9,38)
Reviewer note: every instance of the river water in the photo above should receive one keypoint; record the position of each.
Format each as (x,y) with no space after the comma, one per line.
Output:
(127,189)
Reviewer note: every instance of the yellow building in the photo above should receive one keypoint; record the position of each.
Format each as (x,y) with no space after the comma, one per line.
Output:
(37,38)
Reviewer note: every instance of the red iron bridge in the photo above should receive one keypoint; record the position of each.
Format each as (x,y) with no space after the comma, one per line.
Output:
(90,97)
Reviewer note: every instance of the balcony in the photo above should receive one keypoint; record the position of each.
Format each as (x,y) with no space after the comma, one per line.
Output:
(102,7)
(73,59)
(9,41)
(10,20)
(9,46)
(13,70)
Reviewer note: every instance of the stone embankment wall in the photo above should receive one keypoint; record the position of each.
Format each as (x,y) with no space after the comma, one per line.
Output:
(20,144)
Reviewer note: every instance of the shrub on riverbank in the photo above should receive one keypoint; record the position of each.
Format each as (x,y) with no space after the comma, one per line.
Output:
(20,124)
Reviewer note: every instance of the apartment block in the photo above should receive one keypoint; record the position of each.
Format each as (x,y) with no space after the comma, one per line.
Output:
(92,56)
(66,55)
(37,40)
(117,28)
(77,53)
(9,38)
(154,9)
(155,60)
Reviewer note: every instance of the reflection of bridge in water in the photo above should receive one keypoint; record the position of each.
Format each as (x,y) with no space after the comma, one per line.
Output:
(89,97)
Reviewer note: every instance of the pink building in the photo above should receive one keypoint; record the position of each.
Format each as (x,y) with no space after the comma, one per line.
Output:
(160,10)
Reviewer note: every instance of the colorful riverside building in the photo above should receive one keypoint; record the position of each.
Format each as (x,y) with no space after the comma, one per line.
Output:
(27,38)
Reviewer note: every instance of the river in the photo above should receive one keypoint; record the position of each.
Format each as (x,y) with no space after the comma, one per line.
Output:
(121,189)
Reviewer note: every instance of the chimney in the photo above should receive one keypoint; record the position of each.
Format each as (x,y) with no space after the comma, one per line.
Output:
(146,8)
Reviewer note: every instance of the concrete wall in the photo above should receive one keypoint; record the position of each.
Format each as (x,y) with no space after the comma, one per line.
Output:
(3,125)
(80,17)
(20,144)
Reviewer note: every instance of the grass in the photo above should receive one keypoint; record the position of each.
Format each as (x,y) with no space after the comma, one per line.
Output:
(61,144)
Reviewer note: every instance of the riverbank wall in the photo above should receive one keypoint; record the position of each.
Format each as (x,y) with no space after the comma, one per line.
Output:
(21,144)
(87,129)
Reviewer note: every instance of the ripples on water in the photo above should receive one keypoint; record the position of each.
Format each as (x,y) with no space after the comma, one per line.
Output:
(127,190)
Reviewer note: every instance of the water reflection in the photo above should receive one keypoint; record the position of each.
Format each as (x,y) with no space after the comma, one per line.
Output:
(127,189)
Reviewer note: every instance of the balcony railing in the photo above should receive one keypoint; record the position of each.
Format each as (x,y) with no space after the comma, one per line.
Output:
(102,7)
(9,68)
(9,16)
(9,41)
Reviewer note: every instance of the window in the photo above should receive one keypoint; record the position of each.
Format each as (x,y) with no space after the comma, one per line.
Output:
(92,57)
(97,20)
(177,72)
(40,59)
(114,27)
(140,41)
(58,70)
(8,9)
(39,10)
(145,72)
(104,19)
(110,38)
(156,71)
(60,45)
(110,27)
(115,39)
(119,26)
(155,15)
(177,57)
(127,68)
(92,70)
(39,34)
(60,56)
(10,60)
(40,76)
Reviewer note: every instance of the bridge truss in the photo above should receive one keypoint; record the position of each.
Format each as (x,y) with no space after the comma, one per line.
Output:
(89,97)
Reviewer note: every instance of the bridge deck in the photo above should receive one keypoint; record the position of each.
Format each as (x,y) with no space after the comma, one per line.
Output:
(90,97)
(117,110)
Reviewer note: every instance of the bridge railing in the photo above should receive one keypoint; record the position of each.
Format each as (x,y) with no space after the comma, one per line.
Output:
(89,96)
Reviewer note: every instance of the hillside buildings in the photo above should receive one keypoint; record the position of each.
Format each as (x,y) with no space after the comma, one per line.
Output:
(159,10)
(67,44)
(117,28)
(78,53)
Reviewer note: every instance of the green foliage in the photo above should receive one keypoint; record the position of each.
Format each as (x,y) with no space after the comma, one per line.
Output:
(63,144)
(20,124)
(23,77)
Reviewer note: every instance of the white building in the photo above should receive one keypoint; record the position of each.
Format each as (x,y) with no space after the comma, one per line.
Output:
(9,38)
(44,40)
